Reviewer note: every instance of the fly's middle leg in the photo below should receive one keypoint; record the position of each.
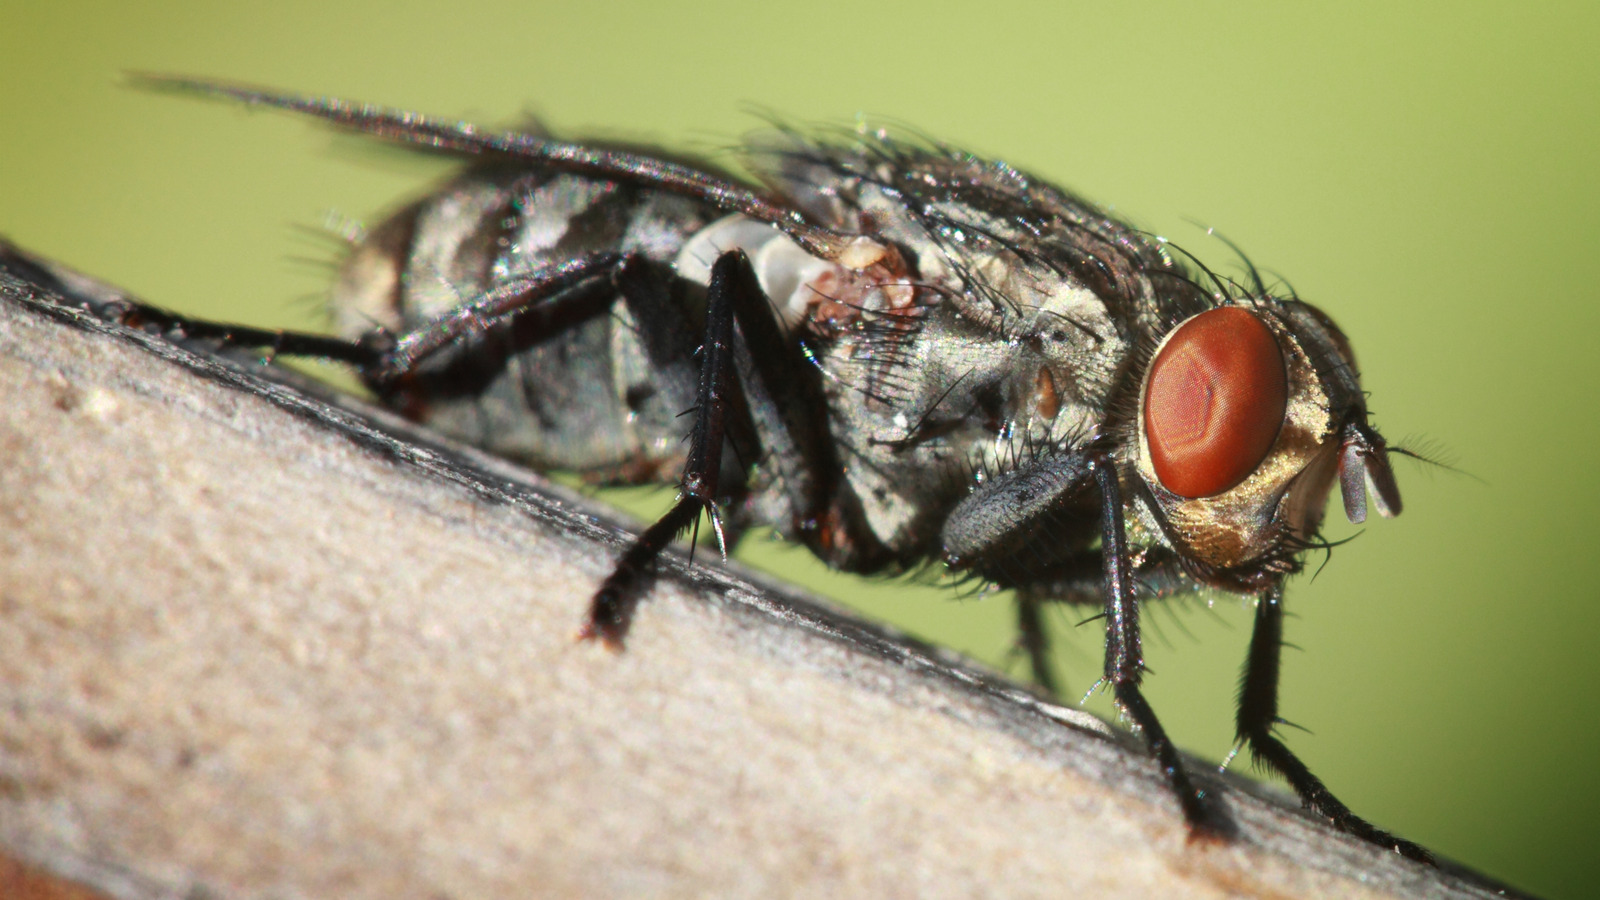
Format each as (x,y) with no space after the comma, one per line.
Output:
(717,396)
(1033,639)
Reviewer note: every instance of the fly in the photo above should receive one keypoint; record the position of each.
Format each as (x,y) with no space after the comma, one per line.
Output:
(894,353)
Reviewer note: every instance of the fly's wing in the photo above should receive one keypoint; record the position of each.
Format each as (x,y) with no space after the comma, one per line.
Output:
(467,139)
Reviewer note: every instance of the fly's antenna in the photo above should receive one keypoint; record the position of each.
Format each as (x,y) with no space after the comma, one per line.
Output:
(1429,454)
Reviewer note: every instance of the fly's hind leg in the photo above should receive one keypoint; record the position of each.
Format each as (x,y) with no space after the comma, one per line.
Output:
(111,305)
(538,305)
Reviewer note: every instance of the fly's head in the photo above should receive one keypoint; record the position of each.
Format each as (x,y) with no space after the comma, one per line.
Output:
(1247,413)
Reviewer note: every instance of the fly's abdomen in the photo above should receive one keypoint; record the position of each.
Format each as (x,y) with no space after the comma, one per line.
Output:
(596,386)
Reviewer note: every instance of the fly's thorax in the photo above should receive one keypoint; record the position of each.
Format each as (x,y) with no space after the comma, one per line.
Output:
(1069,333)
(1238,434)
(966,397)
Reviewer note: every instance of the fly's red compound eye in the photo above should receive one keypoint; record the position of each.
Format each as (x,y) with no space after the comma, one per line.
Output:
(1214,402)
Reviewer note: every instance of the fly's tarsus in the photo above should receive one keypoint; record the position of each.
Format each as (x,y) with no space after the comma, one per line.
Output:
(276,342)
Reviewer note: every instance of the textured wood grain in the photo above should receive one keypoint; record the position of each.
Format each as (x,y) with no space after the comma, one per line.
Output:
(253,644)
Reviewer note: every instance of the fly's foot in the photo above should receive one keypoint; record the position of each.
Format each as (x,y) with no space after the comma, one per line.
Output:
(1413,851)
(1361,829)
(609,616)
(1212,827)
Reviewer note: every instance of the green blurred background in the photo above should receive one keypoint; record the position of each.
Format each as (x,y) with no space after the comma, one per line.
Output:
(1426,174)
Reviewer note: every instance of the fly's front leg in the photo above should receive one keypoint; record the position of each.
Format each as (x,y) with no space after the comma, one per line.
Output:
(986,531)
(1125,655)
(612,608)
(1258,715)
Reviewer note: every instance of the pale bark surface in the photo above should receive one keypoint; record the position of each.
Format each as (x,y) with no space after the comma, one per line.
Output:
(254,645)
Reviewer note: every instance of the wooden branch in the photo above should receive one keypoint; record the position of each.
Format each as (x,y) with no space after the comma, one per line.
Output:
(254,643)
